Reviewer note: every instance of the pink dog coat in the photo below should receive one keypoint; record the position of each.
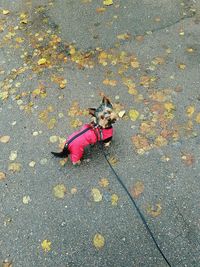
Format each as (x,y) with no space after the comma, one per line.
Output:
(89,137)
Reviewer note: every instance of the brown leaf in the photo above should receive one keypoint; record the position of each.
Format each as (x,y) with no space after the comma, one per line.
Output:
(2,176)
(188,159)
(137,189)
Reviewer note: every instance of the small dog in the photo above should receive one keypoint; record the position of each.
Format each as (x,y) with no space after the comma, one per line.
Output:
(100,129)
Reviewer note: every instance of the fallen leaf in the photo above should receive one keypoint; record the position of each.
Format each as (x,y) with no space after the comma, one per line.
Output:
(76,123)
(32,164)
(124,36)
(4,95)
(51,124)
(137,189)
(121,113)
(169,106)
(53,139)
(133,114)
(108,2)
(104,182)
(73,190)
(2,176)
(135,64)
(5,139)
(14,167)
(5,12)
(26,199)
(63,162)
(154,210)
(63,84)
(190,110)
(114,199)
(197,119)
(110,82)
(113,160)
(100,9)
(182,66)
(160,141)
(13,155)
(46,245)
(96,194)
(98,241)
(59,191)
(188,159)
(42,61)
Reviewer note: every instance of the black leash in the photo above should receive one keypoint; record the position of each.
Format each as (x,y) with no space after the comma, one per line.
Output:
(133,201)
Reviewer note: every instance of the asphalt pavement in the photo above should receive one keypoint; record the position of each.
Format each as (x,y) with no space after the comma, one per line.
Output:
(57,58)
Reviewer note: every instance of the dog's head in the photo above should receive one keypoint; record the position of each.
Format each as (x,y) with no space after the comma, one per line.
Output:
(104,115)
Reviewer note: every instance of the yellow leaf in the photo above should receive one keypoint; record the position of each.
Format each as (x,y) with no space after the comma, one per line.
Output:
(63,84)
(197,119)
(2,176)
(121,113)
(14,167)
(51,124)
(98,241)
(155,210)
(104,182)
(190,110)
(160,141)
(190,50)
(137,189)
(135,64)
(72,50)
(76,123)
(96,194)
(5,12)
(53,139)
(133,114)
(113,160)
(108,2)
(46,245)
(26,200)
(13,155)
(19,40)
(42,61)
(114,199)
(63,162)
(182,66)
(100,9)
(169,106)
(5,139)
(59,191)
(124,36)
(4,95)
(110,82)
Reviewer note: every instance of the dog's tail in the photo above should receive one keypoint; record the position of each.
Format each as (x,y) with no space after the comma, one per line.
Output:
(59,154)
(64,153)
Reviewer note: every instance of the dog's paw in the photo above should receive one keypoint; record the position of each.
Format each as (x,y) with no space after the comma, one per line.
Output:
(76,163)
(107,144)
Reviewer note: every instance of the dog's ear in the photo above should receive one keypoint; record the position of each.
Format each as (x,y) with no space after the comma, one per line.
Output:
(106,101)
(92,111)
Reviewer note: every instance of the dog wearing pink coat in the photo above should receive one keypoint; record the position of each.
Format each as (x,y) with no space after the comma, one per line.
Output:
(99,130)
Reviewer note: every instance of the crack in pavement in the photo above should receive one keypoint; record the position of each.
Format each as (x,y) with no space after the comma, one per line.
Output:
(170,25)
